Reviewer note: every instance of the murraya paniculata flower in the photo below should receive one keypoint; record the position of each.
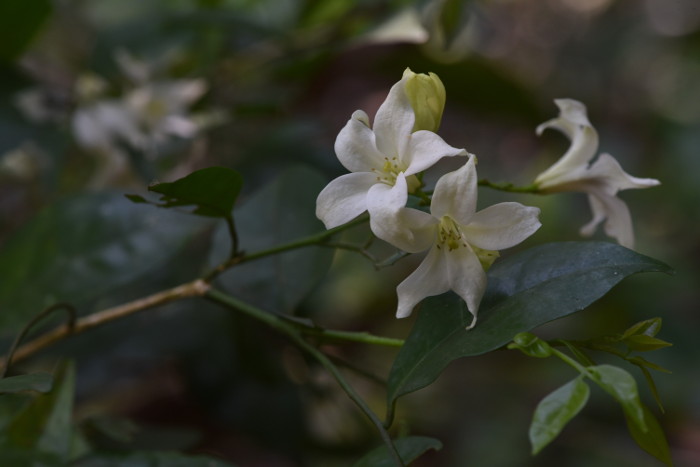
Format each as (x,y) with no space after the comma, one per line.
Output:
(600,179)
(401,142)
(462,243)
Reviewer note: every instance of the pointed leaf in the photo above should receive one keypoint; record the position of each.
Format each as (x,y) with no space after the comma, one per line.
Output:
(644,343)
(554,412)
(212,192)
(409,448)
(280,212)
(653,440)
(649,327)
(623,387)
(525,290)
(82,247)
(642,362)
(41,382)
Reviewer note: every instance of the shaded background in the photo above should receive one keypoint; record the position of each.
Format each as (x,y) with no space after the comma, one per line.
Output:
(281,78)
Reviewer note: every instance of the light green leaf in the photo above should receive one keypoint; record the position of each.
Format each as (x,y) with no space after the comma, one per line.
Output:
(652,440)
(531,345)
(623,387)
(640,361)
(41,382)
(212,192)
(644,343)
(524,291)
(649,327)
(554,412)
(82,247)
(281,211)
(409,448)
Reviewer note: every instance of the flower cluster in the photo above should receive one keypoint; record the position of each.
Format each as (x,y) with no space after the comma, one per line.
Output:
(387,157)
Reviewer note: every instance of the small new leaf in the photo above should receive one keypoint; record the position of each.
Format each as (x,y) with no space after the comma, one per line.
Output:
(555,411)
(645,343)
(649,327)
(623,387)
(212,192)
(531,345)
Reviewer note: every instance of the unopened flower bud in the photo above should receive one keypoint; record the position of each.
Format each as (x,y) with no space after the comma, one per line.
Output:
(427,95)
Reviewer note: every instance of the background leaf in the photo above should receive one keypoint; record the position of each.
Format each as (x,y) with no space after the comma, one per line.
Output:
(82,247)
(20,20)
(281,211)
(213,192)
(525,290)
(555,411)
(410,448)
(41,382)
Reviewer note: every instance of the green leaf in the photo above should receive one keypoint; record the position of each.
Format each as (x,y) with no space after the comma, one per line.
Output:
(150,459)
(20,21)
(649,327)
(41,382)
(80,248)
(577,352)
(642,362)
(554,412)
(524,291)
(45,424)
(531,345)
(409,448)
(653,440)
(644,343)
(623,387)
(281,211)
(212,192)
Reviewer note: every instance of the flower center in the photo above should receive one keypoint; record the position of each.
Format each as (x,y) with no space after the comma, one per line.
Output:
(449,234)
(390,170)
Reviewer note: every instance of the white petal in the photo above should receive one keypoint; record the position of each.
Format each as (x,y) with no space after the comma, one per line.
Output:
(502,226)
(355,145)
(344,198)
(455,194)
(424,149)
(612,178)
(573,122)
(466,277)
(618,221)
(394,121)
(407,229)
(430,278)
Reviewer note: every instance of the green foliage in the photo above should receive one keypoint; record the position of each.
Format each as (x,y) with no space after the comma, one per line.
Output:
(525,290)
(213,192)
(653,439)
(554,412)
(622,386)
(150,459)
(20,21)
(77,249)
(279,212)
(409,448)
(41,382)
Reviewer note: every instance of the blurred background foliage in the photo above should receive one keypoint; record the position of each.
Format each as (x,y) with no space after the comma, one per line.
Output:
(99,98)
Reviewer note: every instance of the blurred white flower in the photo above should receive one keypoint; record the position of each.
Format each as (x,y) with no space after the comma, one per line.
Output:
(463,242)
(600,179)
(377,155)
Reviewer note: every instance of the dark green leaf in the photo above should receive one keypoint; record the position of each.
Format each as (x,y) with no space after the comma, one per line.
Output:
(41,382)
(82,247)
(524,291)
(653,440)
(212,192)
(649,327)
(554,412)
(640,361)
(20,20)
(623,387)
(281,211)
(531,345)
(45,424)
(409,448)
(644,343)
(150,459)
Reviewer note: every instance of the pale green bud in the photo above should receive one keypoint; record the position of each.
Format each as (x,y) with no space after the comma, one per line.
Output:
(427,96)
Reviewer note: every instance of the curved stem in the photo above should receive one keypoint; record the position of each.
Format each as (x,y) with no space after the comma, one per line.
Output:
(234,236)
(293,333)
(348,336)
(511,188)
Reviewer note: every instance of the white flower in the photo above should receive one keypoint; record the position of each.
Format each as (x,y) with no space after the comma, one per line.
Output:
(463,242)
(600,179)
(377,155)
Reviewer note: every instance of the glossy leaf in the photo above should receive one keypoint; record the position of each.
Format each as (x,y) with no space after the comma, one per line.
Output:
(41,382)
(212,192)
(653,440)
(531,345)
(409,448)
(524,291)
(623,387)
(82,247)
(554,412)
(20,21)
(281,211)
